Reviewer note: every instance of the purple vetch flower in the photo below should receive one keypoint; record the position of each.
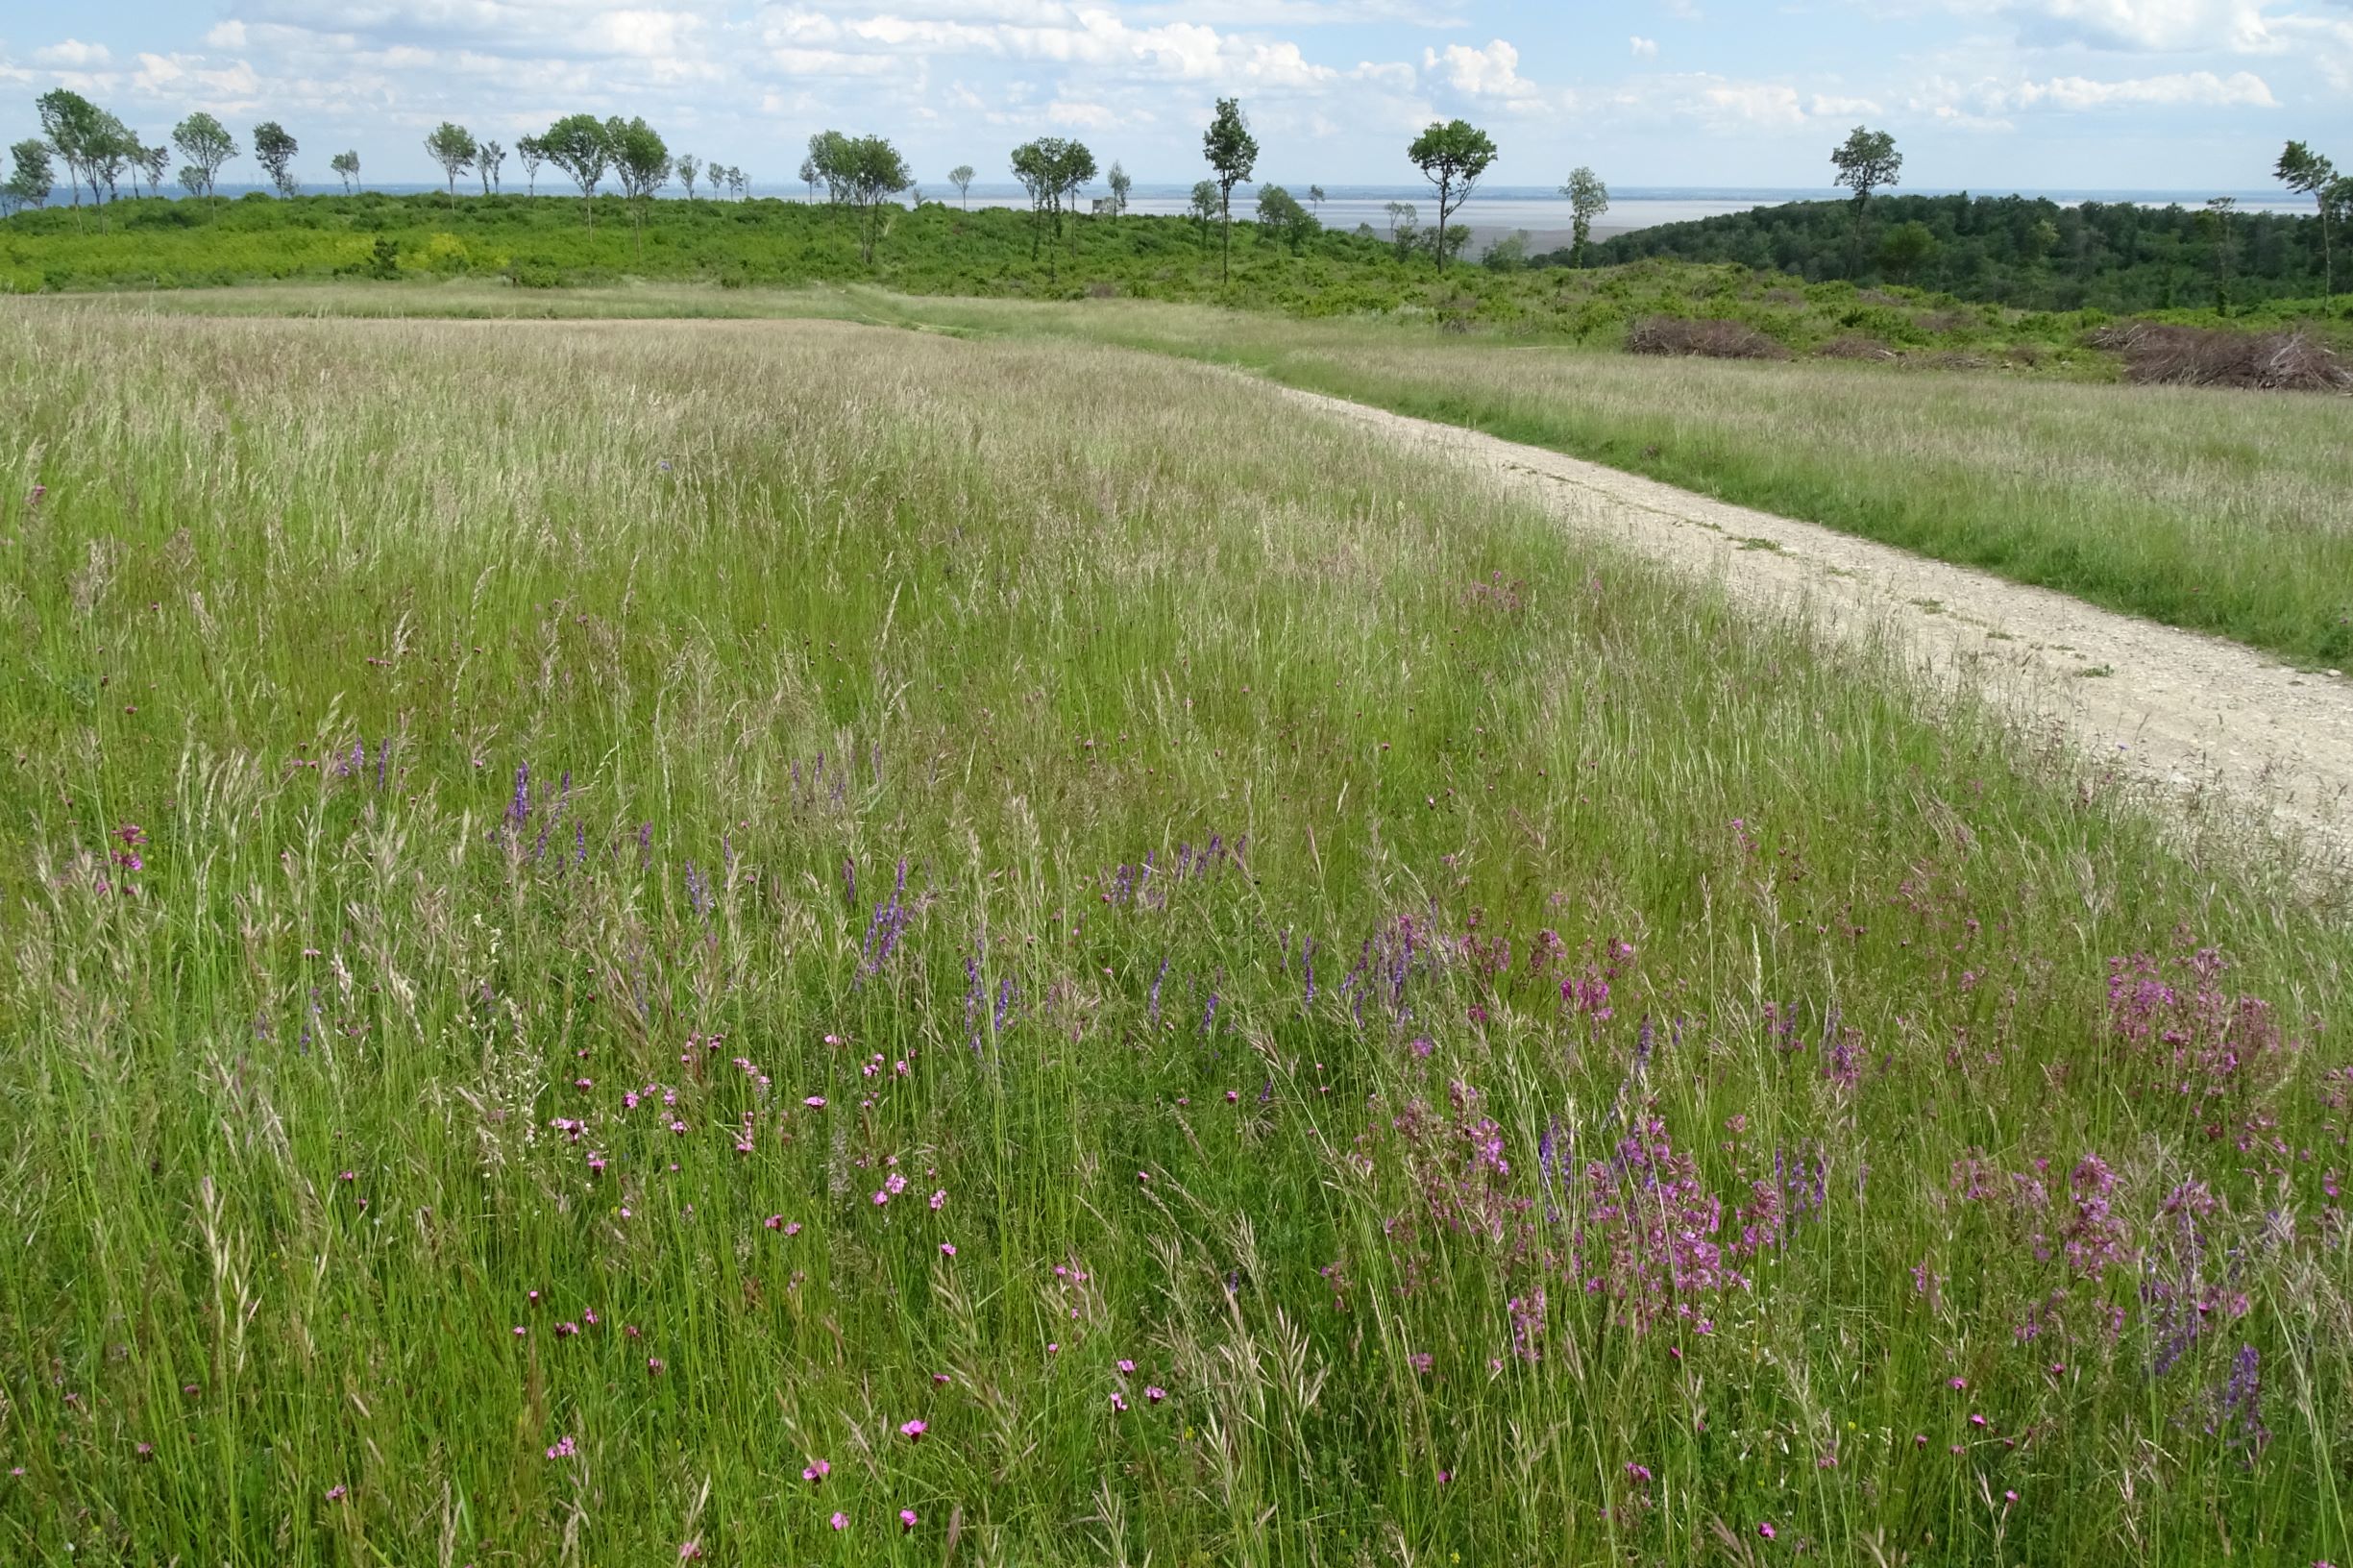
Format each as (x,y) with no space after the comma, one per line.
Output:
(1209,1018)
(1005,993)
(1307,969)
(519,809)
(850,866)
(697,891)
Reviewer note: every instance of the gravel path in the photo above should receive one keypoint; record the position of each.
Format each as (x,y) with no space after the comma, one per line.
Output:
(2195,719)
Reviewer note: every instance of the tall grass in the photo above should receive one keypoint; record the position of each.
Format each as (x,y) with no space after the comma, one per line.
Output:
(2222,511)
(1523,1066)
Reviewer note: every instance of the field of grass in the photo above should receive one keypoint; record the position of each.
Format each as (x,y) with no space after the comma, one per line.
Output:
(763,943)
(2222,511)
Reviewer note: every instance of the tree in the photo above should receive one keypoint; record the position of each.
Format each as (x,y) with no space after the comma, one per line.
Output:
(808,177)
(872,172)
(274,150)
(1284,219)
(2214,224)
(2301,169)
(451,146)
(346,166)
(1865,160)
(1232,152)
(191,179)
(153,162)
(532,155)
(1452,156)
(1906,247)
(961,177)
(489,159)
(641,163)
(1035,164)
(738,182)
(1315,199)
(1404,232)
(689,166)
(1121,185)
(829,162)
(1075,168)
(74,127)
(1204,207)
(31,176)
(1589,199)
(109,152)
(207,144)
(576,145)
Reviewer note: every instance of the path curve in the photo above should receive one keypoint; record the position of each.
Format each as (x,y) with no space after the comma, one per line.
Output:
(2183,715)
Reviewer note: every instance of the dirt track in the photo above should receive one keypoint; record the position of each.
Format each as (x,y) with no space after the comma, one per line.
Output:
(2198,720)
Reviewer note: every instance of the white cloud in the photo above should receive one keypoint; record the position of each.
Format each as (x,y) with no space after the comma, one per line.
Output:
(74,55)
(1832,107)
(2159,26)
(1492,72)
(2241,89)
(1644,48)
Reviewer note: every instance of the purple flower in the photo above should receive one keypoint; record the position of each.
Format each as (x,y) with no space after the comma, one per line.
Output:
(913,1431)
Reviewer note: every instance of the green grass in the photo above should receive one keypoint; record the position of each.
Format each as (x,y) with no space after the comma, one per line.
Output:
(1629,919)
(2221,511)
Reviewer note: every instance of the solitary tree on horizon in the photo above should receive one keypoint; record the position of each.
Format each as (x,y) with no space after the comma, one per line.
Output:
(346,165)
(1232,152)
(1452,156)
(689,168)
(31,176)
(1865,160)
(154,161)
(274,150)
(2301,169)
(1589,199)
(961,177)
(488,158)
(532,155)
(576,145)
(451,146)
(207,144)
(1121,185)
(641,163)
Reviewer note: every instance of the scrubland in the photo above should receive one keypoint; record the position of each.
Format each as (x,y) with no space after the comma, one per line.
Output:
(757,941)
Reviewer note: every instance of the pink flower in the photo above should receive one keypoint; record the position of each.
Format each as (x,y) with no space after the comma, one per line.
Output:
(1958,1384)
(1154,1392)
(816,1471)
(1765,1531)
(520,1331)
(653,1366)
(906,1519)
(815,1102)
(1126,1366)
(881,1197)
(776,1222)
(563,1449)
(938,1198)
(940,1378)
(1119,1401)
(913,1431)
(841,1520)
(337,1492)
(947,1249)
(690,1550)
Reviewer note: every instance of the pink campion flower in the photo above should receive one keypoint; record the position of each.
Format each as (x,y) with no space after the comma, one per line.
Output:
(33,498)
(940,1378)
(814,1472)
(589,1317)
(1119,1401)
(1958,1384)
(1765,1529)
(532,1296)
(565,1331)
(690,1550)
(906,1519)
(1976,1420)
(563,1449)
(520,1331)
(895,1183)
(1637,1472)
(947,1249)
(1126,1366)
(653,1366)
(841,1520)
(1232,1096)
(1154,1392)
(815,1102)
(881,1197)
(2009,1497)
(938,1199)
(913,1431)
(337,1492)
(776,1222)
(1052,1348)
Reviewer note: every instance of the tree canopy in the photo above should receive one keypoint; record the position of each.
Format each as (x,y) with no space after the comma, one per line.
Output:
(1452,156)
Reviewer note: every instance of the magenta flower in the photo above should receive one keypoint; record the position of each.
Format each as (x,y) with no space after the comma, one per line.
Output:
(563,1449)
(520,1331)
(947,1249)
(913,1431)
(1126,1366)
(940,1378)
(815,1102)
(653,1366)
(1154,1392)
(816,1471)
(337,1492)
(938,1198)
(906,1519)
(776,1222)
(1119,1401)
(841,1520)
(1765,1531)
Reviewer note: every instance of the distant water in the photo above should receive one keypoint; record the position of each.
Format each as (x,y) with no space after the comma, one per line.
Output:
(1490,212)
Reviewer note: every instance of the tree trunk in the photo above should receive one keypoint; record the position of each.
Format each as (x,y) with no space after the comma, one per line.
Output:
(1225,221)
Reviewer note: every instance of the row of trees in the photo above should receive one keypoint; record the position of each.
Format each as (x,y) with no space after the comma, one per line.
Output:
(99,151)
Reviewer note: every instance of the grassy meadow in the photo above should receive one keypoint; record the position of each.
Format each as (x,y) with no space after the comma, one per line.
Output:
(761,942)
(2225,513)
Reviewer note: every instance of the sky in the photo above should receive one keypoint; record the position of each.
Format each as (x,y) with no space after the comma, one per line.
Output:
(1992,95)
